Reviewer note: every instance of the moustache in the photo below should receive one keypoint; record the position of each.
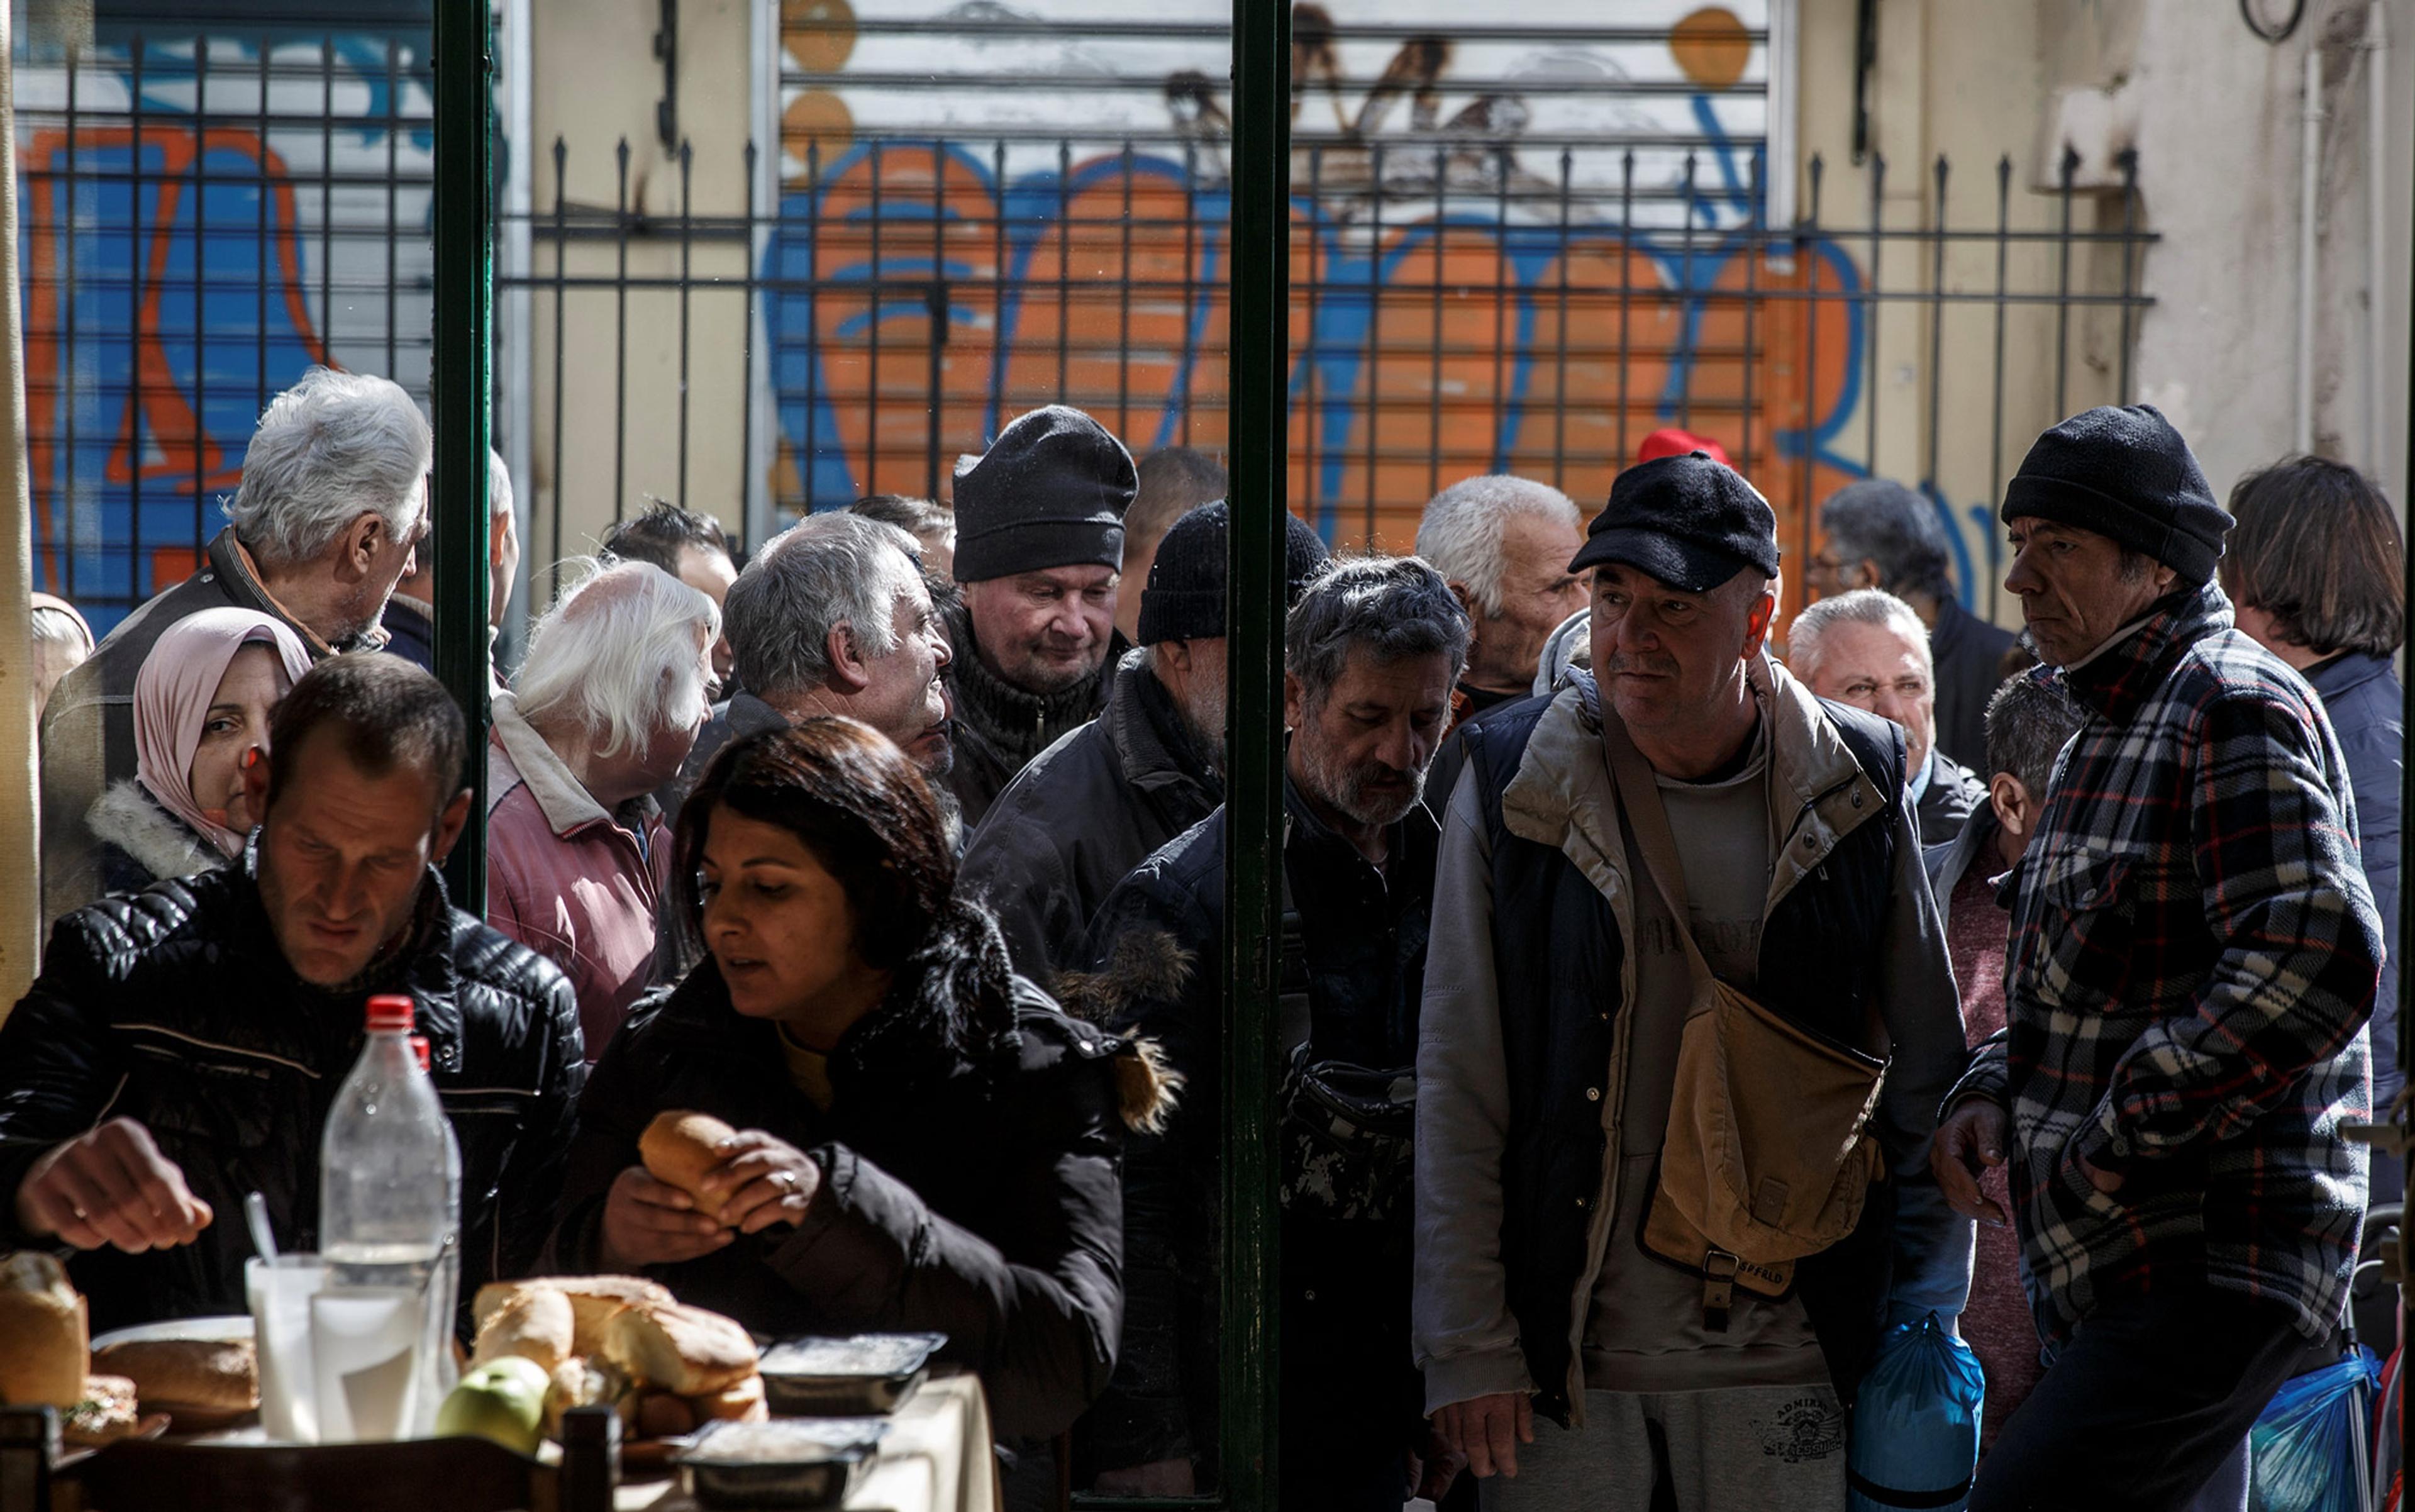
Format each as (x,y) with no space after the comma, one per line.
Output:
(1648,666)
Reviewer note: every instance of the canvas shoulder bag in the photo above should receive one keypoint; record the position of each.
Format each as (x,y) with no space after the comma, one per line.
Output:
(1768,1154)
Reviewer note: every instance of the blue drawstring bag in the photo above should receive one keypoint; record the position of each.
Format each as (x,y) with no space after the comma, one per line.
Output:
(2307,1451)
(1916,1423)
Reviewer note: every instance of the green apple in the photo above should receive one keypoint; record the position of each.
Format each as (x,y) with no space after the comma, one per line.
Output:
(501,1399)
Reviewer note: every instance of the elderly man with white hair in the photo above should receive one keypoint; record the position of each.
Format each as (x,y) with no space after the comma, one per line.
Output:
(616,683)
(331,506)
(1868,649)
(1503,544)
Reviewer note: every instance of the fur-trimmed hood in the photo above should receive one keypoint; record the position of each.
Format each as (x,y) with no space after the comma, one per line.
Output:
(161,843)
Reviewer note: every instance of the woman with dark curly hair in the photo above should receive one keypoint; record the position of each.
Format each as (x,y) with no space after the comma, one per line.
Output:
(925,1143)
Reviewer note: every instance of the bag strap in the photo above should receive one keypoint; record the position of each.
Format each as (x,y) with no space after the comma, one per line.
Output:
(1647,819)
(1293,1016)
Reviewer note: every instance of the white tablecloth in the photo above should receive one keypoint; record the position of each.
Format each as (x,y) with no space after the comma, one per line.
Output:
(936,1457)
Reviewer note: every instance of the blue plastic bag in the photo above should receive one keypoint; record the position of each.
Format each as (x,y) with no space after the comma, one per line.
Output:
(2308,1450)
(1916,1423)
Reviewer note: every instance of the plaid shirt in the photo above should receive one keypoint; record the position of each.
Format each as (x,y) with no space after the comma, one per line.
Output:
(2194,954)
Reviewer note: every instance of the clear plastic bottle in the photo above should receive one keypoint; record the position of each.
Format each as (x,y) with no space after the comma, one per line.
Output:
(386,1196)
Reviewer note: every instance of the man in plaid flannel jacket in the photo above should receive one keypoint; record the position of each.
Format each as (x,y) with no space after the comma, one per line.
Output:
(2192,958)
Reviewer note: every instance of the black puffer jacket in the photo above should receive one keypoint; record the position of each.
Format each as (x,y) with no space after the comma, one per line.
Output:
(970,1162)
(1088,809)
(175,1006)
(999,727)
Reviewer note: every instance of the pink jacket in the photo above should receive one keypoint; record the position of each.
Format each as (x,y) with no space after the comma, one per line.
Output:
(579,886)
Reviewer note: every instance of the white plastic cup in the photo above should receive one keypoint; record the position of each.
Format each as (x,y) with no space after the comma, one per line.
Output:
(365,1361)
(280,1292)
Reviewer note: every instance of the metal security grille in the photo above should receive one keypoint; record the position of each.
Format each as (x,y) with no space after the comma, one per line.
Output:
(207,211)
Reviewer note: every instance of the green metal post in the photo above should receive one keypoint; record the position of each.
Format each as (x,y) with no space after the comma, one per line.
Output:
(1259,389)
(459,396)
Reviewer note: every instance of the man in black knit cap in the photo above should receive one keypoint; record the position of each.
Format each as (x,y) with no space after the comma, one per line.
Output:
(2194,952)
(1039,544)
(1098,802)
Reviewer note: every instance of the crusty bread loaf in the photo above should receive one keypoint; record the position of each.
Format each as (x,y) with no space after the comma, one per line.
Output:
(44,1345)
(742,1403)
(679,1349)
(220,1375)
(593,1299)
(679,1147)
(536,1323)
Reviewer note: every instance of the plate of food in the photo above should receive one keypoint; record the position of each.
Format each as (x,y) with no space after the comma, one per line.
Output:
(44,1358)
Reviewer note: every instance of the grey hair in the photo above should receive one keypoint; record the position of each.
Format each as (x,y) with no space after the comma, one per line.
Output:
(1863,606)
(1880,521)
(2029,722)
(1463,527)
(616,657)
(1393,607)
(54,626)
(827,570)
(330,449)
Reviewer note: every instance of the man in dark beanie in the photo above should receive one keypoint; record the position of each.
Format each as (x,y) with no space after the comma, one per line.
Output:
(1099,801)
(1694,817)
(1039,546)
(2192,958)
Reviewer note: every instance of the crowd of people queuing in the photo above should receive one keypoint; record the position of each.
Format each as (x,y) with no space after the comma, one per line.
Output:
(898,843)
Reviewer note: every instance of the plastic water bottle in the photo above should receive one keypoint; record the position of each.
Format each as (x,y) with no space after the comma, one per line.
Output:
(386,1196)
(389,1212)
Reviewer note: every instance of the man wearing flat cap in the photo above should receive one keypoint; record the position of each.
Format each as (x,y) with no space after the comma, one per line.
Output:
(1039,548)
(1684,822)
(2192,957)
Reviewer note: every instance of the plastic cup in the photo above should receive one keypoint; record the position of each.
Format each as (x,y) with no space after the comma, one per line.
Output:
(280,1292)
(365,1361)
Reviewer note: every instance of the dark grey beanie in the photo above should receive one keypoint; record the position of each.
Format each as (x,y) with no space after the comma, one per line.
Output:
(2124,472)
(1184,598)
(1051,491)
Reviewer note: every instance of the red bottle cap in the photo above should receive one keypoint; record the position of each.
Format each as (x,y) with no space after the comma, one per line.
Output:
(391,1014)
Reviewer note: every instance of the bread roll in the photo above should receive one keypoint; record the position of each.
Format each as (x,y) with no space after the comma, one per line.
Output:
(536,1323)
(44,1344)
(221,1375)
(742,1403)
(662,1414)
(680,1148)
(679,1349)
(593,1299)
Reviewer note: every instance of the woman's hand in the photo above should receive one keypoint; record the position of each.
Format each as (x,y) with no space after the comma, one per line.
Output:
(760,1182)
(648,1223)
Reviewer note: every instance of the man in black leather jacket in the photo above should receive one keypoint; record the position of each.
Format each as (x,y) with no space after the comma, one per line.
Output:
(183,1046)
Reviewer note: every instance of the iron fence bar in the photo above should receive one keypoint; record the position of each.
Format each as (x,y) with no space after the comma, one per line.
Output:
(1808,436)
(1754,241)
(1870,304)
(1374,342)
(687,249)
(1256,393)
(871,482)
(2129,162)
(1499,460)
(67,475)
(1190,264)
(2063,289)
(1015,26)
(260,232)
(1312,484)
(561,332)
(1996,408)
(937,306)
(1123,305)
(1154,83)
(201,295)
(459,394)
(805,463)
(1064,265)
(1560,353)
(135,413)
(393,194)
(1626,291)
(327,192)
(746,361)
(620,349)
(1433,372)
(1937,339)
(1692,306)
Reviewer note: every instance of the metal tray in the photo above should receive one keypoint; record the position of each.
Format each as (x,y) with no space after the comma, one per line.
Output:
(866,1375)
(795,1462)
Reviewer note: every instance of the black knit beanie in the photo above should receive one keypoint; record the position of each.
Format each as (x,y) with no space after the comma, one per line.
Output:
(1051,491)
(2125,473)
(1184,599)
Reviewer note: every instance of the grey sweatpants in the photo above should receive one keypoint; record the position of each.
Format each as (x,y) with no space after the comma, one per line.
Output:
(1741,1449)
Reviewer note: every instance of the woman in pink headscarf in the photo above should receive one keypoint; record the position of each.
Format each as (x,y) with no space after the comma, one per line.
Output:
(201,703)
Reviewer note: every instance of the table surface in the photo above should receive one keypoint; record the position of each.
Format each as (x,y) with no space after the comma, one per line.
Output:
(935,1458)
